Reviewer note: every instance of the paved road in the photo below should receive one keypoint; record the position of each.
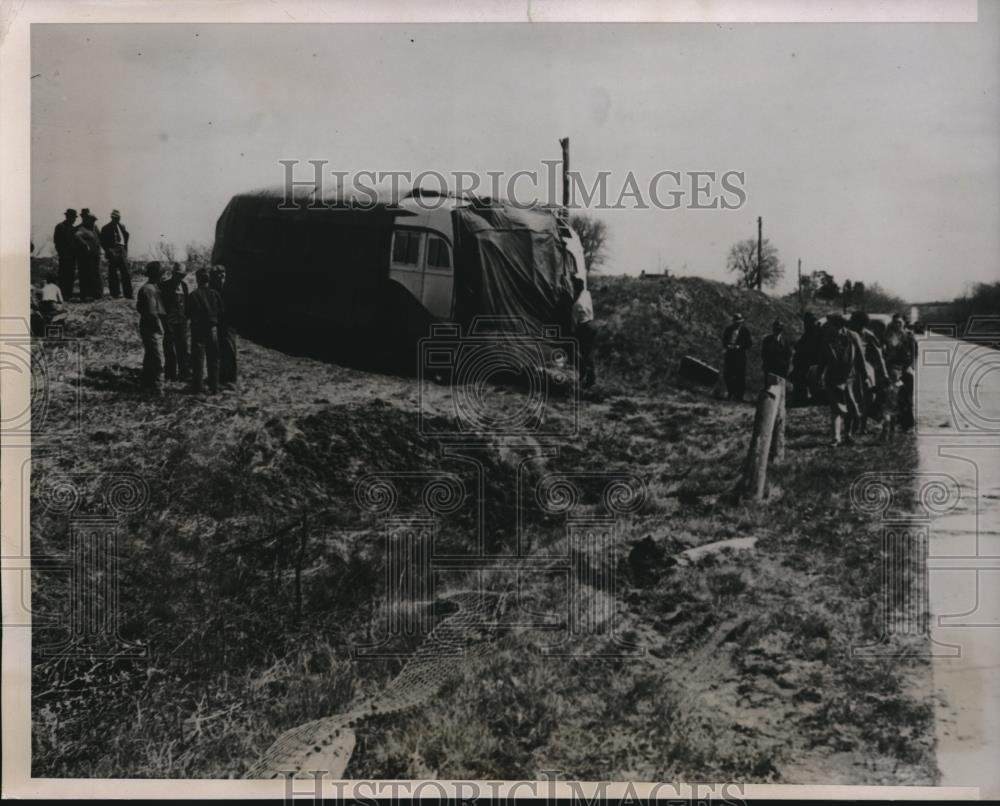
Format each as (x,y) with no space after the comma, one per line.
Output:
(958,422)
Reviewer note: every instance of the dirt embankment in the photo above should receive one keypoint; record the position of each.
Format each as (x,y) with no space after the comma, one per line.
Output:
(648,325)
(744,669)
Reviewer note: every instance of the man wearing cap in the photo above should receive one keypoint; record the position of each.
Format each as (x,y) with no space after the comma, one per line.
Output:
(64,238)
(174,293)
(736,341)
(151,312)
(205,308)
(114,240)
(88,256)
(775,352)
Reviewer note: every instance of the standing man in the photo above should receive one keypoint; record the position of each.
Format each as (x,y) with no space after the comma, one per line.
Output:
(64,238)
(736,340)
(900,351)
(204,310)
(151,313)
(845,368)
(775,351)
(88,257)
(114,240)
(174,292)
(808,354)
(585,330)
(227,335)
(876,375)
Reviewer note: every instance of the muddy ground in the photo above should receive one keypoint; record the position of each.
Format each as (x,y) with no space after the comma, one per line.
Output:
(738,664)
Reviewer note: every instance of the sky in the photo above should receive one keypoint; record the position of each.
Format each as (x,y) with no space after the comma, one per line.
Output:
(870,151)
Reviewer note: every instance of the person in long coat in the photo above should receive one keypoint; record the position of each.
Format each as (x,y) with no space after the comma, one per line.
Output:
(843,378)
(88,257)
(736,340)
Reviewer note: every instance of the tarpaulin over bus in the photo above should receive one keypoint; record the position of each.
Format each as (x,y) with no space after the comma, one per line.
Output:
(510,262)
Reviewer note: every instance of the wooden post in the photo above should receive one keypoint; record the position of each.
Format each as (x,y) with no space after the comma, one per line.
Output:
(763,431)
(778,440)
(564,143)
(760,264)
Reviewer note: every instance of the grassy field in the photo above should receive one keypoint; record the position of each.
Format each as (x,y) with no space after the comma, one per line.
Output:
(744,670)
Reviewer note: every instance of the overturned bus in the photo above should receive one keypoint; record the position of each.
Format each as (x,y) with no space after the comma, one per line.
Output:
(374,277)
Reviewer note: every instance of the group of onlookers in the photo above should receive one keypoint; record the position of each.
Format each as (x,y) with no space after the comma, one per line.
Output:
(185,332)
(79,248)
(842,361)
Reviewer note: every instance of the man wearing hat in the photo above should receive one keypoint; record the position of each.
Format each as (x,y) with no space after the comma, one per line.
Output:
(114,240)
(88,256)
(64,238)
(775,351)
(736,341)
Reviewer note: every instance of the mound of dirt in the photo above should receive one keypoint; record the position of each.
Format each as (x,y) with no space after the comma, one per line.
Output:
(647,326)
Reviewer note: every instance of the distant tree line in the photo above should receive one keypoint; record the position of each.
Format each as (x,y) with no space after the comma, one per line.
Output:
(982,299)
(871,297)
(764,269)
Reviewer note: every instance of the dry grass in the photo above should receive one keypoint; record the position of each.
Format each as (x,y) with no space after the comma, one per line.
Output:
(746,672)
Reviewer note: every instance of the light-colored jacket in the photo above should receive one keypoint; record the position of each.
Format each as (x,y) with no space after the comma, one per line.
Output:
(583,308)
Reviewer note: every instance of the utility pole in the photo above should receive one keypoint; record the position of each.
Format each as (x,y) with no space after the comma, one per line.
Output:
(564,143)
(800,284)
(760,265)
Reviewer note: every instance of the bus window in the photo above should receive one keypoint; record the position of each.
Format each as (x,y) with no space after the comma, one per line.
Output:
(405,247)
(438,254)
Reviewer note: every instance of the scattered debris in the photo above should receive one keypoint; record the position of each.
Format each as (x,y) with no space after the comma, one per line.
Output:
(696,553)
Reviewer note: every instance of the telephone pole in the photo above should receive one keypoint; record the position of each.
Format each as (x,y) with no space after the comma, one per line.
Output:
(760,265)
(564,143)
(800,284)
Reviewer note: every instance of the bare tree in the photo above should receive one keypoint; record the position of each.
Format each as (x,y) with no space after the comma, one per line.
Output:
(163,252)
(743,260)
(199,256)
(593,234)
